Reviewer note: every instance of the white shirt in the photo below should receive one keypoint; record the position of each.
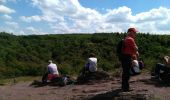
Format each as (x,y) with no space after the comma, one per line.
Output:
(52,69)
(135,65)
(92,64)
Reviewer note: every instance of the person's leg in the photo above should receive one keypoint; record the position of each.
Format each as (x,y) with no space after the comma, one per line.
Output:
(45,78)
(83,70)
(126,64)
(159,67)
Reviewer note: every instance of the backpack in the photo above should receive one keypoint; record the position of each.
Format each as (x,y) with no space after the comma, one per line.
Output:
(141,65)
(119,48)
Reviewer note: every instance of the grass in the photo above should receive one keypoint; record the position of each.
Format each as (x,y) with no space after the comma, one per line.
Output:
(11,81)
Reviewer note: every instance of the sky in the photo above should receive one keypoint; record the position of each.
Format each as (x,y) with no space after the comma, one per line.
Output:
(28,17)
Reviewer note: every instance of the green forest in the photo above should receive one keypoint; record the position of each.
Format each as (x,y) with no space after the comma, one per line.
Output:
(29,55)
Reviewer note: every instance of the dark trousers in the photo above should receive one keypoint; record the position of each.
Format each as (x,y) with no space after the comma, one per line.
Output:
(162,67)
(85,70)
(126,64)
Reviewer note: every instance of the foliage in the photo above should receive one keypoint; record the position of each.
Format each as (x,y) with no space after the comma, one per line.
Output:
(28,55)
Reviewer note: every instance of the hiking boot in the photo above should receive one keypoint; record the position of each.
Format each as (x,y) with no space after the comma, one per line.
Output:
(127,90)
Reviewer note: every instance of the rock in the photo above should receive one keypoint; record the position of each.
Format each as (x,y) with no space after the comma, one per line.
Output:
(90,77)
(119,95)
(134,96)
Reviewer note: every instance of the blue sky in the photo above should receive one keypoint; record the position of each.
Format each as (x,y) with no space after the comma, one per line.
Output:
(26,17)
(136,6)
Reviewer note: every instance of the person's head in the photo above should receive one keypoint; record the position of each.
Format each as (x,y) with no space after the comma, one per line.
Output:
(50,61)
(92,55)
(132,32)
(167,59)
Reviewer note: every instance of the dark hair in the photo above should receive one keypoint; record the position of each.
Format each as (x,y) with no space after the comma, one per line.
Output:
(92,55)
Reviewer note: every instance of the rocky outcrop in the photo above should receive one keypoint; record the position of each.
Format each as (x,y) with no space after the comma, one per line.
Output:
(118,95)
(90,77)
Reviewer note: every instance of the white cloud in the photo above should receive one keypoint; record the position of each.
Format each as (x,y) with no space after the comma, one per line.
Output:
(30,19)
(12,25)
(6,10)
(121,15)
(69,16)
(4,1)
(163,25)
(6,17)
(32,30)
(154,21)
(153,15)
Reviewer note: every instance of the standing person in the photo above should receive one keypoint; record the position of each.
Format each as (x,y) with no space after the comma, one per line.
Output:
(51,72)
(91,64)
(129,49)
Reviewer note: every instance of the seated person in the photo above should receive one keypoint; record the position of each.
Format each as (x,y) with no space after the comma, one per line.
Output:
(91,65)
(90,72)
(135,69)
(51,72)
(164,68)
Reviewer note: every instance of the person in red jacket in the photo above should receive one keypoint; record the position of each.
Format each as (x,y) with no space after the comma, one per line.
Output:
(129,49)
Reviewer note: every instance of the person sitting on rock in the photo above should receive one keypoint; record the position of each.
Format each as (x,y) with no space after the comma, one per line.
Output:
(162,68)
(51,73)
(91,64)
(135,69)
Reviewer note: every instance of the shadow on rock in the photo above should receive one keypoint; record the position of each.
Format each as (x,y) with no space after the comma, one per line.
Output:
(155,82)
(37,83)
(58,81)
(119,95)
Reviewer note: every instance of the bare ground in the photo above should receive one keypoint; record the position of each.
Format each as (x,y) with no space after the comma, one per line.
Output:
(100,90)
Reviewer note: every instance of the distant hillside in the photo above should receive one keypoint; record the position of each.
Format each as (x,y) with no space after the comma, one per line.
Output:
(28,55)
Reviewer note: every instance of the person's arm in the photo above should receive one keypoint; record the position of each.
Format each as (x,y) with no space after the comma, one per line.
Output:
(48,69)
(133,45)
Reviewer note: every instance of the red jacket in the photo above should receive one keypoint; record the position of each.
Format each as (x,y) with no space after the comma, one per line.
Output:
(129,46)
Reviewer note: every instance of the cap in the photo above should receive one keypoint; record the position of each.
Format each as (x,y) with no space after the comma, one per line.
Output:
(132,30)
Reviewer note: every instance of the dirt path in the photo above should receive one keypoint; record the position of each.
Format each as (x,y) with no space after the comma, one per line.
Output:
(141,83)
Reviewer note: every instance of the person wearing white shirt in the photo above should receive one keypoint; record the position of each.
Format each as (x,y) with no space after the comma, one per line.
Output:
(52,68)
(135,69)
(91,65)
(51,73)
